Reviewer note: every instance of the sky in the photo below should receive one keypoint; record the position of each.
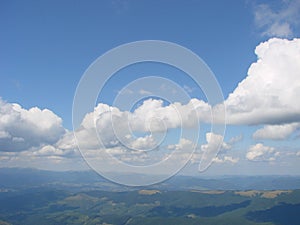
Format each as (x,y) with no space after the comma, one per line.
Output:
(251,47)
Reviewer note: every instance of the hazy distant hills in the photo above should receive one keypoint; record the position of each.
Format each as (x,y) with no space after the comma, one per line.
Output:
(20,178)
(35,197)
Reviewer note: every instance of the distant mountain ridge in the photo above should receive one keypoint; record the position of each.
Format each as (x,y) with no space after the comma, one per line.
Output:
(24,178)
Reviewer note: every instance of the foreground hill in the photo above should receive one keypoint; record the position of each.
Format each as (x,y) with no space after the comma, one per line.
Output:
(44,206)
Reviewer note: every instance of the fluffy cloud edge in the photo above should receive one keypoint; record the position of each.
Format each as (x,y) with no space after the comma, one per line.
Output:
(261,152)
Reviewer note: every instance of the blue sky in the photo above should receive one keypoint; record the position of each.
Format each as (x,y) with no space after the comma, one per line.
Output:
(46,46)
(50,44)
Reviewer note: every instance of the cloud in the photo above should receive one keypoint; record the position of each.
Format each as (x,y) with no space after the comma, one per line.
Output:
(298,153)
(128,91)
(145,92)
(226,159)
(214,142)
(188,88)
(40,134)
(50,150)
(22,129)
(166,88)
(145,143)
(235,139)
(150,116)
(209,151)
(46,157)
(269,94)
(35,137)
(116,128)
(278,23)
(276,132)
(121,133)
(214,145)
(260,152)
(183,144)
(125,91)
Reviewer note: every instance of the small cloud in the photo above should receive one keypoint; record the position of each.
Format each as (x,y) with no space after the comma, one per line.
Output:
(280,22)
(226,159)
(17,84)
(143,143)
(120,6)
(4,134)
(183,144)
(125,91)
(166,88)
(260,152)
(145,92)
(235,139)
(214,143)
(188,89)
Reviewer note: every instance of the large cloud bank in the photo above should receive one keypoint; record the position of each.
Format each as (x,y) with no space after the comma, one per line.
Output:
(267,96)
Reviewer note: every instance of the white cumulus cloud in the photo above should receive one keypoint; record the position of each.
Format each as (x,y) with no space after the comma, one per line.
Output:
(260,152)
(276,132)
(269,94)
(115,127)
(210,150)
(22,129)
(214,142)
